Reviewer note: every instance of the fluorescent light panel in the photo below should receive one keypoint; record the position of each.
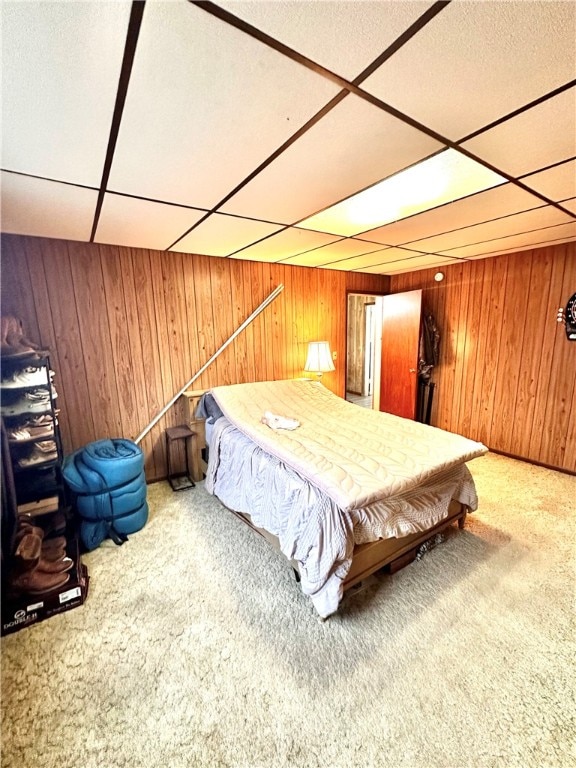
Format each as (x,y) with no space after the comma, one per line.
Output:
(446,177)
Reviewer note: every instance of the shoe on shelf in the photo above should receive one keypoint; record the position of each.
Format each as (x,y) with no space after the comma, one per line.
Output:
(25,377)
(38,395)
(27,433)
(41,453)
(37,400)
(45,446)
(18,434)
(41,420)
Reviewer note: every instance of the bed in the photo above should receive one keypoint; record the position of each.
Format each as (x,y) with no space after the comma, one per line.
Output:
(341,490)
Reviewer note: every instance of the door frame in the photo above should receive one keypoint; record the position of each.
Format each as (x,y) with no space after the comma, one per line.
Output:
(376,384)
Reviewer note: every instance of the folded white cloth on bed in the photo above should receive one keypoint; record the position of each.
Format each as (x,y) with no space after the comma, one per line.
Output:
(279,422)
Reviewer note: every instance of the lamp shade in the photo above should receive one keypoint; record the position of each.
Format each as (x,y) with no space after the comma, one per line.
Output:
(319,358)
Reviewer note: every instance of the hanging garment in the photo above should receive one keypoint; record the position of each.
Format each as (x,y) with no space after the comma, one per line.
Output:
(429,353)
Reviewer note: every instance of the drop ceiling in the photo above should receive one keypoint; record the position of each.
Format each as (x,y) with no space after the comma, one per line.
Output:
(240,129)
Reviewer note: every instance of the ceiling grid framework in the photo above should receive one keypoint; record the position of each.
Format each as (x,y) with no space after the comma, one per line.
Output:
(239,129)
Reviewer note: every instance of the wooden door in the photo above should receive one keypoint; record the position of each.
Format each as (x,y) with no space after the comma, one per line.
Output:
(401,317)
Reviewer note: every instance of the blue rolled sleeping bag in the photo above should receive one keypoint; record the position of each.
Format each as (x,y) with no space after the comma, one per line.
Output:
(109,487)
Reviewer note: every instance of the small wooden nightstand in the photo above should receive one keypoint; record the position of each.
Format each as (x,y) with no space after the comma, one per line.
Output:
(179,481)
(191,399)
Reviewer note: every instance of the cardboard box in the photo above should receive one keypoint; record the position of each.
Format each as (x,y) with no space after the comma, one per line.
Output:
(25,610)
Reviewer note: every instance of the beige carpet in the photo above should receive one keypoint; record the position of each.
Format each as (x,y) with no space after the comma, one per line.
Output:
(196,648)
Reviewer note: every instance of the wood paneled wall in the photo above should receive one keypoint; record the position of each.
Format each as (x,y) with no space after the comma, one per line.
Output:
(507,374)
(129,327)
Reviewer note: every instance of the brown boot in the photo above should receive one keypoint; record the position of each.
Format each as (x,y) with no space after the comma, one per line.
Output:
(61,565)
(30,572)
(25,528)
(50,525)
(38,582)
(52,554)
(28,553)
(57,544)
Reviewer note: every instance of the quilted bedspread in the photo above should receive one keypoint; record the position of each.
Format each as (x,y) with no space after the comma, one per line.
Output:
(357,456)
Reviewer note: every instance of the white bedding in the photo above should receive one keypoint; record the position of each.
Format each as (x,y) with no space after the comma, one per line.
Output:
(313,528)
(355,455)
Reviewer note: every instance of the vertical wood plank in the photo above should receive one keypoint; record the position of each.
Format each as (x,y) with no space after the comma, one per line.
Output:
(141,371)
(535,293)
(237,308)
(484,342)
(494,308)
(513,319)
(460,341)
(204,321)
(38,268)
(221,298)
(121,343)
(247,281)
(146,320)
(550,335)
(467,406)
(452,292)
(554,445)
(17,295)
(269,324)
(88,287)
(191,316)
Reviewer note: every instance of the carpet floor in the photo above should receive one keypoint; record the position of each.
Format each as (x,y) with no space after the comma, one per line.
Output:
(196,647)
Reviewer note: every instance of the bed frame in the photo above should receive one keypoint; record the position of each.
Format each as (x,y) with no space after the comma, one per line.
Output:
(391,554)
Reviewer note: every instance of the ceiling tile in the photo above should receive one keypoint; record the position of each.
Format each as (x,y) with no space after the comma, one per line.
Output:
(476,62)
(547,216)
(556,183)
(46,208)
(335,252)
(407,265)
(222,103)
(516,249)
(414,265)
(352,147)
(142,223)
(518,242)
(334,34)
(473,209)
(287,243)
(60,68)
(382,256)
(527,142)
(221,235)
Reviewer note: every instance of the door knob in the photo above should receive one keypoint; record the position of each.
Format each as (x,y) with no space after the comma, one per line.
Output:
(412,370)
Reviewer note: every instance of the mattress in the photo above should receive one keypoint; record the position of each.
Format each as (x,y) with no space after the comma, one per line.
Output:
(355,455)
